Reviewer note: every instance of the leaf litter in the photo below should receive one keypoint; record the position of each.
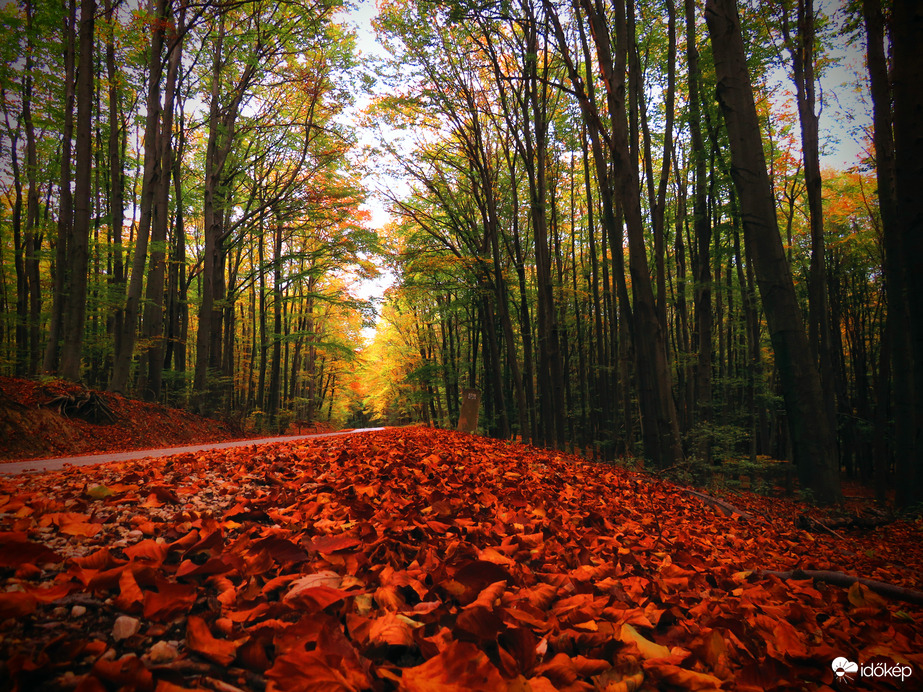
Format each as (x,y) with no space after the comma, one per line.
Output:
(420,559)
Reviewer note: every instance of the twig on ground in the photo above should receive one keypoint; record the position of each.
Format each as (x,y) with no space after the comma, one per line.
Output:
(727,508)
(899,593)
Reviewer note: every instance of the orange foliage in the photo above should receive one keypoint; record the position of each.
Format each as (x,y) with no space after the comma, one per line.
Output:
(418,559)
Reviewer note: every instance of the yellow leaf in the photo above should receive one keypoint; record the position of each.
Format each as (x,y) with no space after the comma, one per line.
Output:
(648,649)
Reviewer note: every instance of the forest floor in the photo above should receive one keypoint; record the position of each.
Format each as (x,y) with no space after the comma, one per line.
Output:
(56,418)
(421,559)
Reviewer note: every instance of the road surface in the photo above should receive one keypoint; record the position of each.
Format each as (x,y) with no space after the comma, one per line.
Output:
(38,465)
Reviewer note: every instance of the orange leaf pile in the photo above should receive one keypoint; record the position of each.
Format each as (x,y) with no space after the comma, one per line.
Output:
(417,559)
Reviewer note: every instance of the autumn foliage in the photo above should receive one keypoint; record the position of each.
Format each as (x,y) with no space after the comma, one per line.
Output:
(418,559)
(33,426)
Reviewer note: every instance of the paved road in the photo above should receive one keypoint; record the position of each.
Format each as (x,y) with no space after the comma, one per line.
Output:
(38,465)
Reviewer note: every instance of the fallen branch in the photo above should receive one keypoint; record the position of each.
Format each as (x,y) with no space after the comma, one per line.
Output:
(898,593)
(808,523)
(726,507)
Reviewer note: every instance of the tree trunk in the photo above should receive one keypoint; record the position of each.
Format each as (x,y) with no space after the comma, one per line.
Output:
(152,325)
(814,445)
(75,313)
(65,199)
(802,52)
(659,426)
(907,39)
(150,184)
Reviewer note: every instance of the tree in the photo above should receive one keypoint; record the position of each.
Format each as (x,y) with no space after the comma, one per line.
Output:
(78,243)
(813,440)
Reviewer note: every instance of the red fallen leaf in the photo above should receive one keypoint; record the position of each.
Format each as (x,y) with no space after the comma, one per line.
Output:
(560,670)
(59,519)
(100,559)
(130,594)
(214,565)
(520,642)
(331,544)
(185,541)
(16,549)
(165,686)
(460,667)
(682,677)
(164,494)
(90,683)
(310,671)
(101,581)
(168,601)
(199,638)
(16,604)
(80,528)
(207,543)
(148,550)
(282,550)
(480,622)
(27,572)
(786,642)
(50,594)
(252,655)
(127,671)
(541,596)
(317,598)
(477,575)
(391,629)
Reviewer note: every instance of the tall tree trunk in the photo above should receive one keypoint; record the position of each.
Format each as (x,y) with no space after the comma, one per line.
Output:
(814,444)
(907,39)
(65,198)
(150,184)
(75,314)
(152,325)
(275,371)
(32,236)
(702,232)
(659,426)
(21,336)
(117,133)
(801,48)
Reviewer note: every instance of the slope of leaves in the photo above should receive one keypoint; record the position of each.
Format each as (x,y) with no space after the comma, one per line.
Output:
(417,559)
(31,429)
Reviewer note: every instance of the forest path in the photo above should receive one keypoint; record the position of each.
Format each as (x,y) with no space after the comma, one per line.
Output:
(39,465)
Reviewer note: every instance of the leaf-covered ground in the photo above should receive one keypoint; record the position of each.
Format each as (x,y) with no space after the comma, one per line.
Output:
(31,429)
(417,559)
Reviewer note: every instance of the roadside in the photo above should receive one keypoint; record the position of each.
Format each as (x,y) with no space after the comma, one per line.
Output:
(41,465)
(58,419)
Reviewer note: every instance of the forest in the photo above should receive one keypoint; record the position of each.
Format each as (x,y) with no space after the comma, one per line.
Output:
(610,218)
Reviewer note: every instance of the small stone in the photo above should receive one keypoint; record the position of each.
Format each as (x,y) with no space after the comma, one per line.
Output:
(78,611)
(162,652)
(125,627)
(59,612)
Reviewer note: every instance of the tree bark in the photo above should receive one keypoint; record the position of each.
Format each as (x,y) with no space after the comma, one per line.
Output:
(65,199)
(907,39)
(75,313)
(813,442)
(152,324)
(149,185)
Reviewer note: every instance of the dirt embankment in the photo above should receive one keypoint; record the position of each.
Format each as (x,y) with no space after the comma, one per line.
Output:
(53,418)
